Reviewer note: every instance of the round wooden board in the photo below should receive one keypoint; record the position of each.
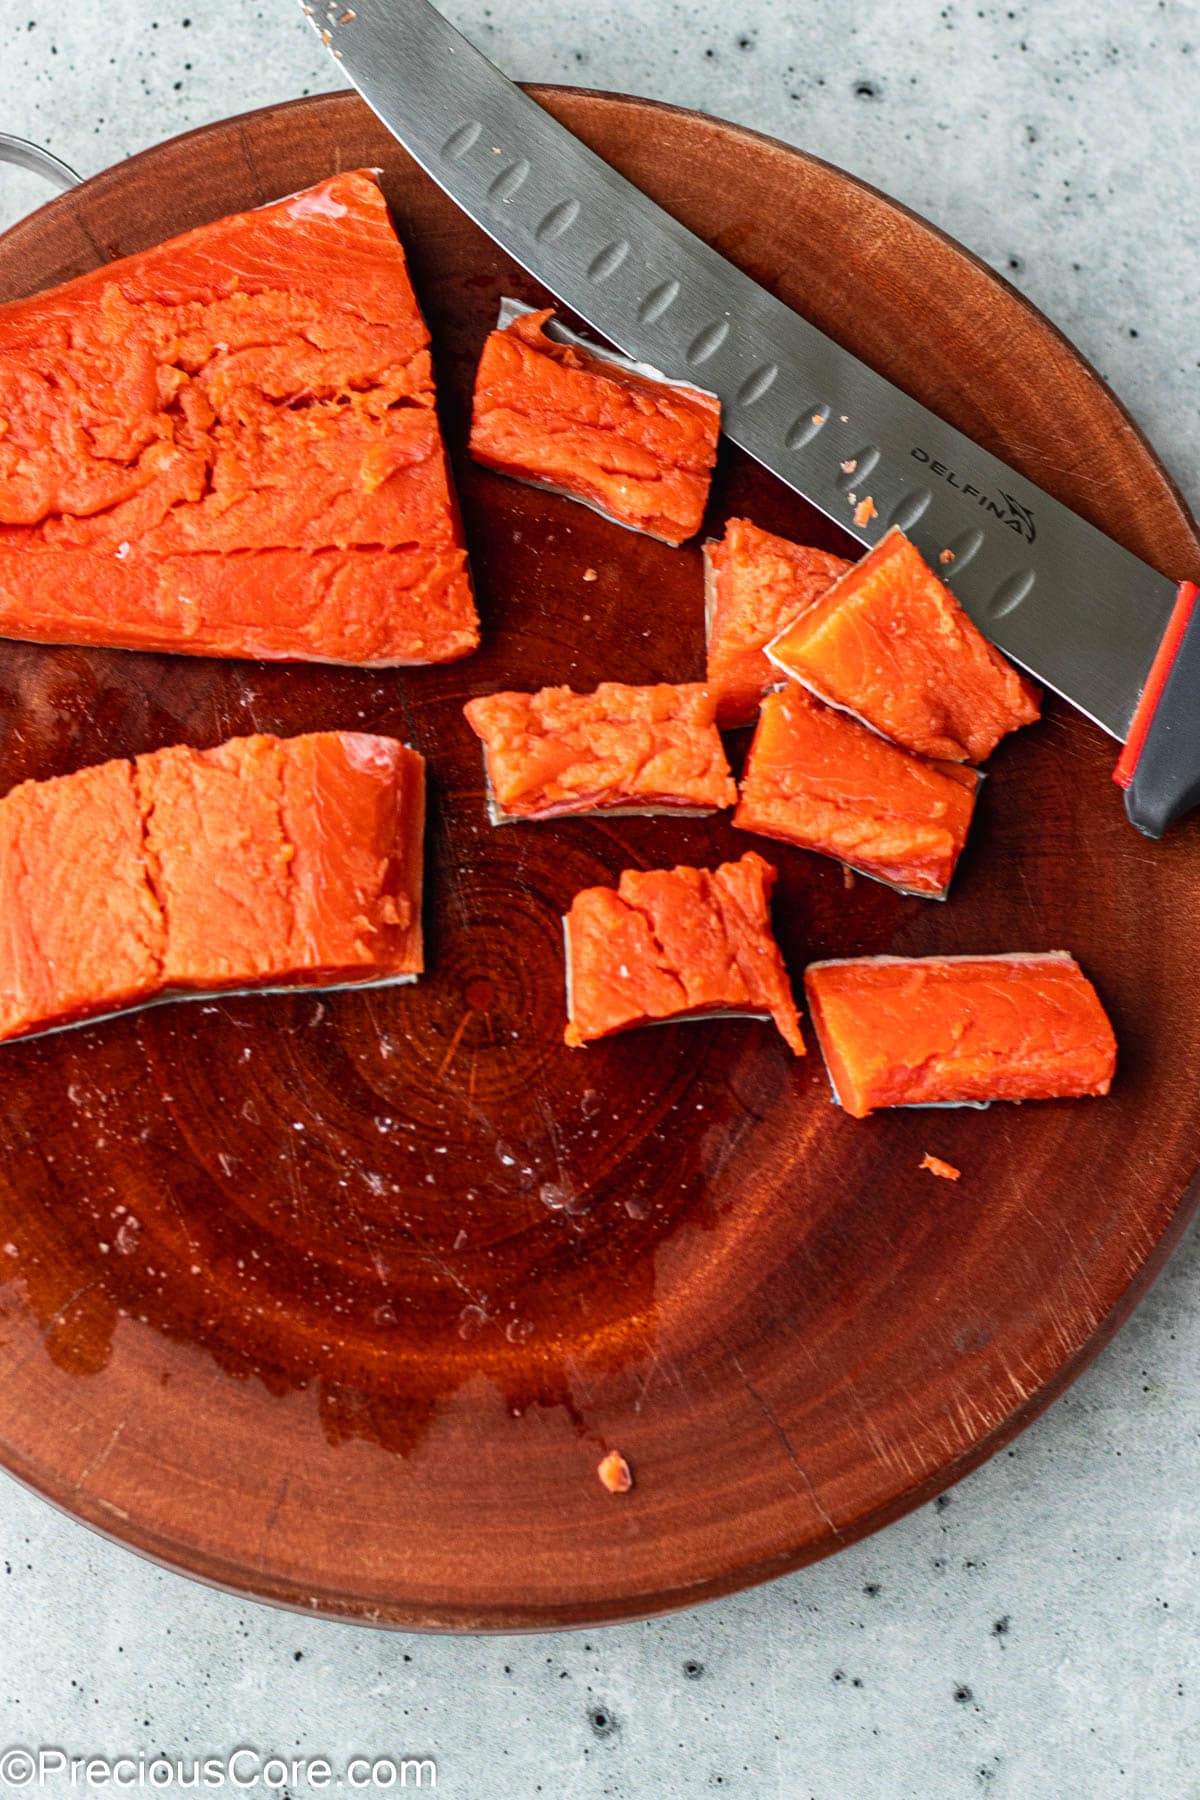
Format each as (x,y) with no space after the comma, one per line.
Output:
(338,1302)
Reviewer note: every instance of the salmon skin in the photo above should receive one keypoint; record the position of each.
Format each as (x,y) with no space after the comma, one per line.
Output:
(228,446)
(594,426)
(617,750)
(816,778)
(668,945)
(959,1030)
(266,864)
(755,584)
(890,643)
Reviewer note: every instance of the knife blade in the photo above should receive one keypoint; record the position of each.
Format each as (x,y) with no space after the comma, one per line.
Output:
(1079,611)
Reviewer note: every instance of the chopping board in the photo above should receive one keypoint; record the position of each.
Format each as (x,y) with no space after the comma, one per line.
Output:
(338,1301)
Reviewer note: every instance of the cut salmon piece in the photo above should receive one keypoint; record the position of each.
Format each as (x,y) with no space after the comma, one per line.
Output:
(285,862)
(80,929)
(890,643)
(755,584)
(595,427)
(817,778)
(620,749)
(228,446)
(671,944)
(959,1030)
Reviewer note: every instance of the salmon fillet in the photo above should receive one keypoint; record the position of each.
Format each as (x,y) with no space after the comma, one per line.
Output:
(228,446)
(638,449)
(755,584)
(80,929)
(817,778)
(946,1030)
(676,944)
(890,643)
(265,862)
(619,749)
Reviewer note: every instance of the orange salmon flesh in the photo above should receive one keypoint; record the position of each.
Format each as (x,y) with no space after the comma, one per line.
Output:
(674,944)
(755,584)
(228,446)
(265,862)
(638,449)
(890,643)
(937,1030)
(619,749)
(817,778)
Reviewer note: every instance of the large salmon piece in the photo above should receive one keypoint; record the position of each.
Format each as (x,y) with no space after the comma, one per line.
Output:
(817,778)
(890,643)
(591,425)
(755,584)
(959,1030)
(268,862)
(674,944)
(228,446)
(616,750)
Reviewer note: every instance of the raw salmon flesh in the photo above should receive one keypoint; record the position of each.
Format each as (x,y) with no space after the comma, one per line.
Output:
(755,584)
(817,778)
(943,1030)
(619,749)
(639,450)
(890,643)
(267,862)
(676,944)
(228,446)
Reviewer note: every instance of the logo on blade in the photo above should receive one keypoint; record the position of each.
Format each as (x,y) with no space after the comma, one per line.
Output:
(1020,519)
(1000,505)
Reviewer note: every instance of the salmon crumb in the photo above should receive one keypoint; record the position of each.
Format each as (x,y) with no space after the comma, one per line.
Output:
(936,1166)
(327,37)
(590,575)
(847,876)
(945,556)
(818,418)
(865,511)
(849,466)
(615,1473)
(346,18)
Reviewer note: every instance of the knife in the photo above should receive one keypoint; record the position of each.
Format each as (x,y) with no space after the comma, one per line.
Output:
(1082,614)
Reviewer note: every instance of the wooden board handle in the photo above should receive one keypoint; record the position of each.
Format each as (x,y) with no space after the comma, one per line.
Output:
(24,155)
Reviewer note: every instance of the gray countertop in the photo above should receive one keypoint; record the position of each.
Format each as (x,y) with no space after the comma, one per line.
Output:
(1034,1633)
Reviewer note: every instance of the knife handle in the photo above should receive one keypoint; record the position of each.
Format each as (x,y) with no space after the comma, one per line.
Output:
(1160,764)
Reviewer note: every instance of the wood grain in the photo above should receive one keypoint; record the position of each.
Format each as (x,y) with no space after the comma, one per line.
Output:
(339,1302)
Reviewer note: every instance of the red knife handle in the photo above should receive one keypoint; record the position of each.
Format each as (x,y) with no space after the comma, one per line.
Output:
(1160,764)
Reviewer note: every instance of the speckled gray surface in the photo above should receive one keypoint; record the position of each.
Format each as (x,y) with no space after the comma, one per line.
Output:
(1035,1632)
